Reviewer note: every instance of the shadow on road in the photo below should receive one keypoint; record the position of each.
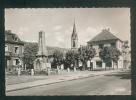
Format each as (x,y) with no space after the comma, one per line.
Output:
(122,75)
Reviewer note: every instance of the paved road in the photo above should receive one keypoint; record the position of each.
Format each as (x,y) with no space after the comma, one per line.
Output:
(111,84)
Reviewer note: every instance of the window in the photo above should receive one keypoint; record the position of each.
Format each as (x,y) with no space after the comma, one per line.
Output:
(100,46)
(113,44)
(6,48)
(15,38)
(17,50)
(99,63)
(109,64)
(16,62)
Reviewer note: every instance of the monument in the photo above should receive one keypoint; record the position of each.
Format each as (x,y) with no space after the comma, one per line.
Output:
(42,55)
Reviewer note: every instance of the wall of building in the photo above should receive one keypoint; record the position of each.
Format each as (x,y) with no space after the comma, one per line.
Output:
(96,47)
(107,45)
(118,45)
(12,55)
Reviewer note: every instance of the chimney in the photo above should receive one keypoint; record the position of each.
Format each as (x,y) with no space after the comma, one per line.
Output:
(8,31)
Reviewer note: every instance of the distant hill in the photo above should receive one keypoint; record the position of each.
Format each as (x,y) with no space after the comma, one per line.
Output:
(50,49)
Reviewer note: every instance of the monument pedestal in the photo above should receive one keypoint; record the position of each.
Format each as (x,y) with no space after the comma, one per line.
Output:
(40,63)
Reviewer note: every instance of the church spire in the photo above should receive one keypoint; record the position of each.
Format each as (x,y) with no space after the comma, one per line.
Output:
(74,33)
(74,27)
(74,38)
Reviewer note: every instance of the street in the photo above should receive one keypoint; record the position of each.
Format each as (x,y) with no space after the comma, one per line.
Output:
(110,84)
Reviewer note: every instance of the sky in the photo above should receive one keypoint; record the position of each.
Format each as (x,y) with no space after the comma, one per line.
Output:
(57,23)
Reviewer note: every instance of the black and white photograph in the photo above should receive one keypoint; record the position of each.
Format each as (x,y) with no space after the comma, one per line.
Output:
(67,51)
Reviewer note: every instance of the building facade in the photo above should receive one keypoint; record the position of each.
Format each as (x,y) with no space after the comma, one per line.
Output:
(14,48)
(105,39)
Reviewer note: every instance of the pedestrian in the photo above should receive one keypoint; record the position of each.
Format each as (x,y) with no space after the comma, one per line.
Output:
(80,65)
(18,71)
(58,69)
(32,72)
(68,70)
(62,67)
(88,64)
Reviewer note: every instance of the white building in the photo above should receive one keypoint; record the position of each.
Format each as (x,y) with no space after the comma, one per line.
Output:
(104,39)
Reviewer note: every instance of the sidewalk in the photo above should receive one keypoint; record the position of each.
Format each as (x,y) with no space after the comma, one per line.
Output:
(60,78)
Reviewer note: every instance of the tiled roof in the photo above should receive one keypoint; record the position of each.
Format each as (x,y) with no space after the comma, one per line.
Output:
(10,38)
(104,35)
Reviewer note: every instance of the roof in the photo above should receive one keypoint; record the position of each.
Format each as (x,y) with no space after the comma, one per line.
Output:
(10,38)
(104,35)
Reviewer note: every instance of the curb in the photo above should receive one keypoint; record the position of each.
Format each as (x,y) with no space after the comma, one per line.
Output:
(58,81)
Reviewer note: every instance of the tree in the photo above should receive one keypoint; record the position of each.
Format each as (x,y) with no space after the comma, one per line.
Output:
(30,51)
(109,54)
(72,58)
(115,54)
(86,53)
(57,58)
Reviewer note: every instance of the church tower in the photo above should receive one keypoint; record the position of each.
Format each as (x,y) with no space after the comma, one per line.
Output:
(74,38)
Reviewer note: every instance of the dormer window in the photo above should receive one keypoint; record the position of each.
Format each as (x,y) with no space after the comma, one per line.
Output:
(15,38)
